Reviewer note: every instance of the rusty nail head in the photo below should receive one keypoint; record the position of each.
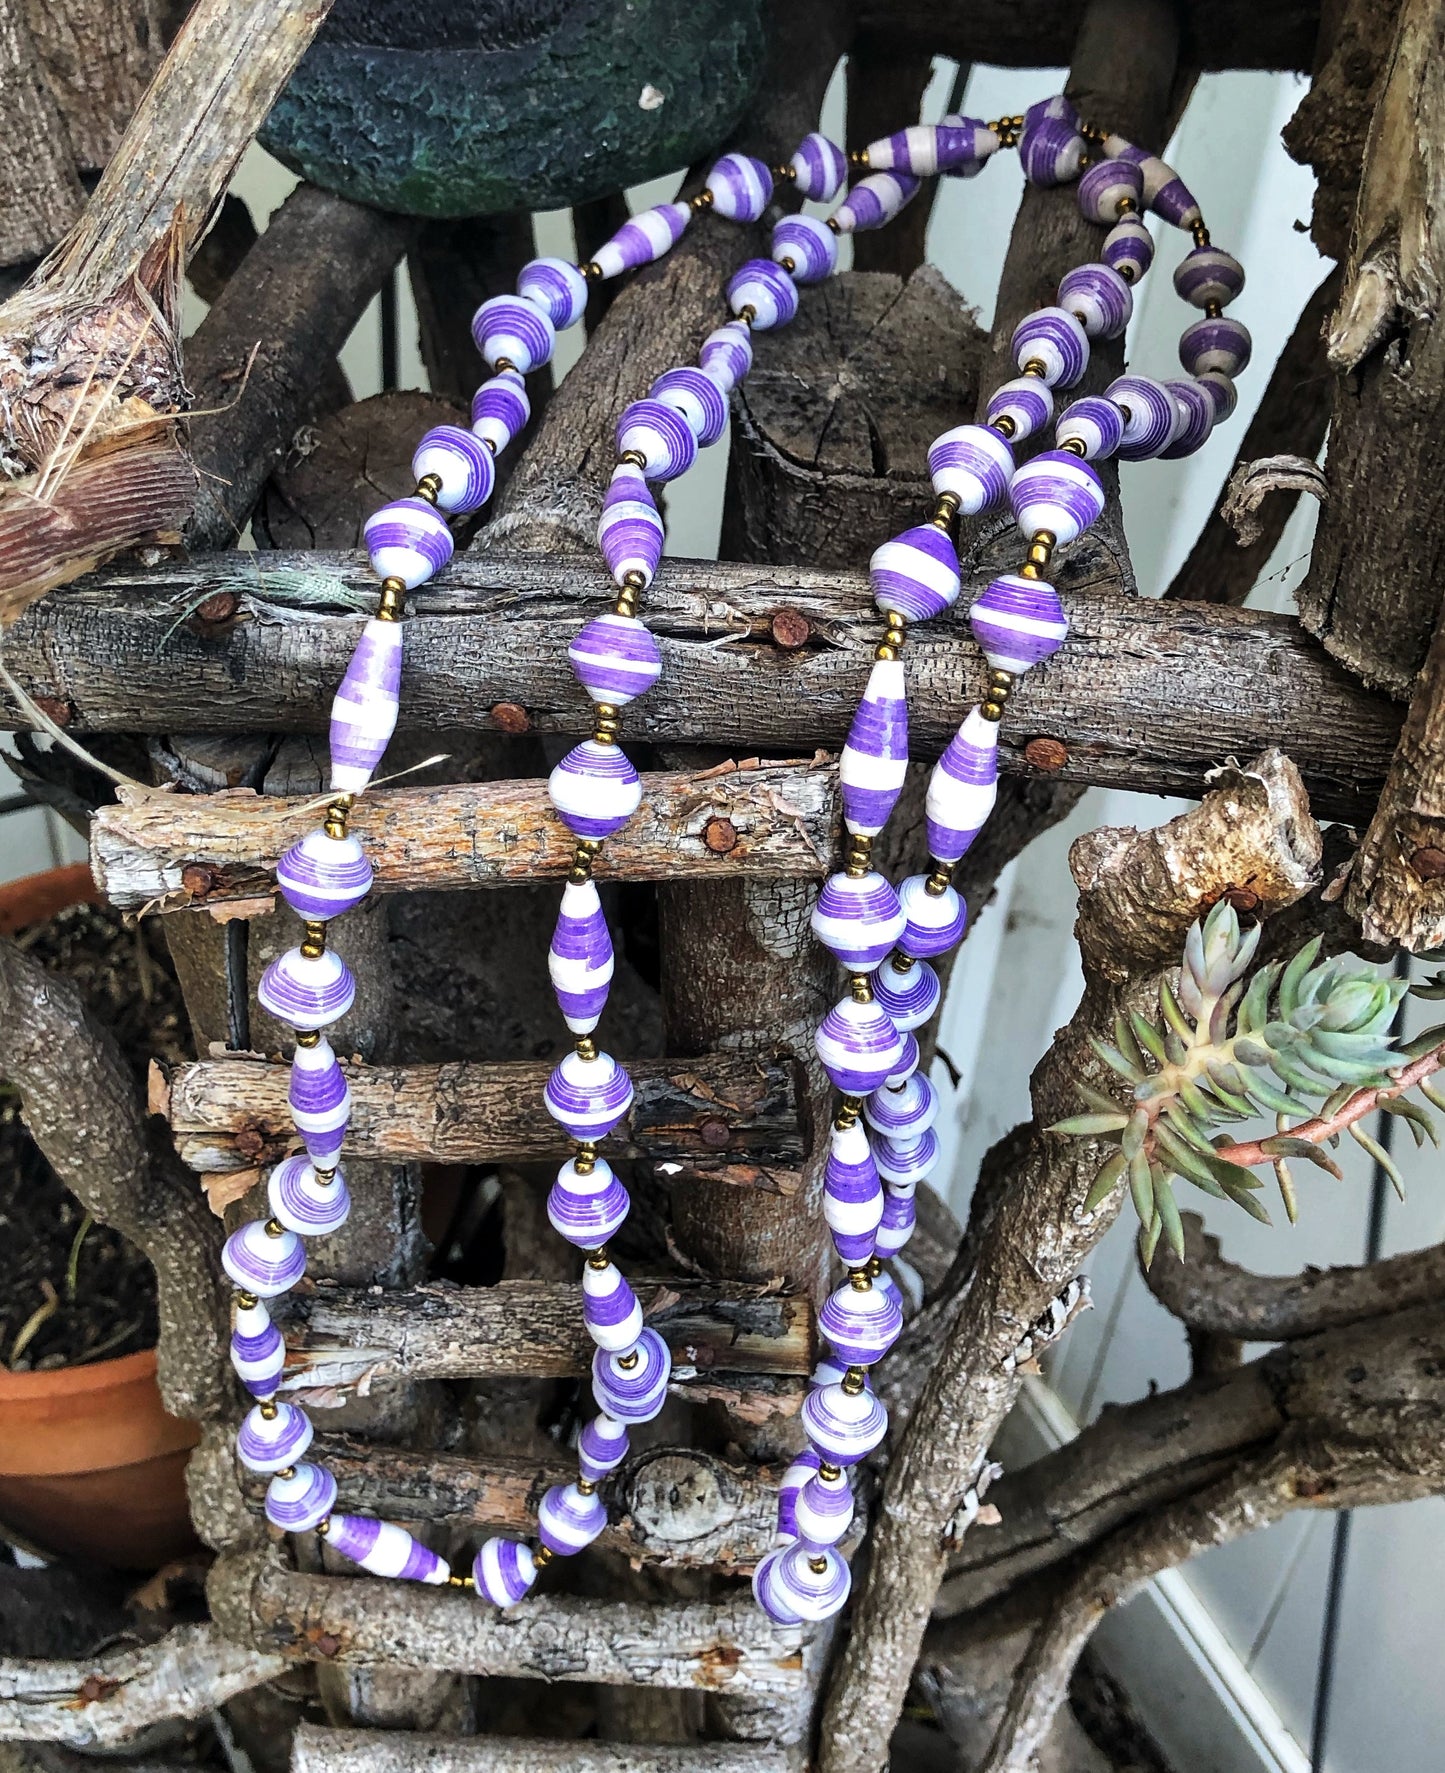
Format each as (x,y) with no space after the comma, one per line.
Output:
(197,879)
(327,1644)
(511,718)
(714,1132)
(219,607)
(59,710)
(720,835)
(1046,754)
(1428,863)
(791,629)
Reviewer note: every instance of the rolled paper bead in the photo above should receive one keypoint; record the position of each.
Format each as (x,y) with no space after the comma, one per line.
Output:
(766,1592)
(610,1308)
(974,464)
(1149,414)
(384,1549)
(258,1350)
(364,709)
(580,958)
(873,202)
(507,327)
(301,1499)
(906,1164)
(740,187)
(1018,621)
(307,992)
(322,876)
(407,539)
(595,789)
(270,1443)
(587,1208)
(463,464)
(260,1263)
(726,354)
(698,398)
(962,788)
(661,435)
(852,1194)
(1050,146)
(320,1100)
(1129,248)
(630,531)
(844,1426)
(1164,191)
(601,1447)
(933,922)
(1105,185)
(645,237)
(568,1519)
(1221,391)
(504,1571)
(1215,343)
(303,1203)
(1094,422)
(828,1371)
(874,761)
(858,918)
(1196,419)
(1208,274)
(1054,338)
(802,1468)
(500,409)
(767,289)
(824,1509)
(555,286)
(794,1590)
(910,997)
(1026,402)
(805,247)
(615,658)
(1056,492)
(819,168)
(858,1046)
(916,574)
(588,1097)
(904,1113)
(900,1216)
(636,1393)
(1098,298)
(860,1326)
(956,144)
(907,1065)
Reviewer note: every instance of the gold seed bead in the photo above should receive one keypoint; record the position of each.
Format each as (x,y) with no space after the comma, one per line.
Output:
(247,1301)
(428,488)
(747,314)
(1126,206)
(586,1048)
(501,364)
(338,815)
(992,711)
(1213,311)
(490,445)
(875,1265)
(861,988)
(848,1111)
(325,1177)
(858,157)
(582,859)
(939,880)
(633,456)
(308,1037)
(455,1581)
(860,1280)
(818,1565)
(702,201)
(884,651)
(314,944)
(945,512)
(829,1472)
(1200,233)
(542,1556)
(586,1486)
(788,265)
(274,1228)
(608,724)
(1126,271)
(903,963)
(592,271)
(1035,367)
(854,1380)
(598,1258)
(287,1471)
(1073,446)
(629,1360)
(1003,424)
(393,600)
(634,580)
(832,224)
(322,1528)
(269,1409)
(860,855)
(1001,682)
(585,1161)
(1085,162)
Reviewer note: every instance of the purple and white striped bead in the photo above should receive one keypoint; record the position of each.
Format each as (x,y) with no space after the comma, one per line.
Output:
(875,758)
(905,1163)
(307,991)
(933,922)
(500,409)
(580,958)
(962,788)
(1054,339)
(861,1324)
(595,789)
(303,1203)
(1222,391)
(1018,621)
(908,995)
(611,1310)
(915,574)
(858,919)
(1055,492)
(322,876)
(956,144)
(726,354)
(630,531)
(645,237)
(300,1500)
(1050,146)
(615,658)
(588,1097)
(907,1065)
(819,168)
(258,1350)
(1105,185)
(504,1571)
(852,1194)
(1164,191)
(636,1393)
(824,1509)
(1098,298)
(986,143)
(740,187)
(844,1426)
(767,289)
(766,1592)
(557,287)
(1095,423)
(900,1216)
(974,464)
(806,248)
(261,1263)
(1149,416)
(587,1207)
(873,202)
(384,1549)
(698,398)
(463,464)
(1028,405)
(790,1484)
(660,435)
(1129,248)
(506,328)
(1215,342)
(364,709)
(904,1113)
(1195,406)
(601,1447)
(320,1100)
(1208,274)
(270,1443)
(407,539)
(858,1046)
(568,1519)
(791,1592)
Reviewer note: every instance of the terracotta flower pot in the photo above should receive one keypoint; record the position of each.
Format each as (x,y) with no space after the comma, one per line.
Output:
(90,1463)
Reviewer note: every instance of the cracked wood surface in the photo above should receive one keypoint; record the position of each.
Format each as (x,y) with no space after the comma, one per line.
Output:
(318,1750)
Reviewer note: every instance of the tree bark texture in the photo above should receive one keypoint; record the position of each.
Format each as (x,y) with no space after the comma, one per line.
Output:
(40,192)
(355,1751)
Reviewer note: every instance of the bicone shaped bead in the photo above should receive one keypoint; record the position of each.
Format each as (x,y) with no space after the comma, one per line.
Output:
(790,1484)
(1208,274)
(904,1113)
(463,464)
(908,1063)
(858,1046)
(303,1203)
(509,328)
(1018,621)
(974,464)
(384,1549)
(258,1350)
(636,1393)
(906,1163)
(1026,402)
(555,286)
(261,1263)
(595,789)
(615,658)
(915,574)
(301,1499)
(1105,185)
(824,1509)
(740,187)
(698,398)
(726,354)
(806,248)
(933,922)
(1055,492)
(1098,298)
(1129,248)
(364,708)
(791,1590)
(979,145)
(643,238)
(1095,423)
(588,1097)
(766,1592)
(852,1194)
(874,201)
(1050,145)
(322,876)
(407,539)
(909,997)
(874,761)
(611,1310)
(630,531)
(860,1325)
(844,1426)
(500,409)
(660,435)
(504,1571)
(568,1519)
(828,1371)
(1164,191)
(858,918)
(1215,343)
(1149,416)
(271,1443)
(962,788)
(587,1208)
(307,991)
(819,168)
(955,144)
(1222,391)
(767,289)
(320,1100)
(1053,338)
(580,958)
(900,1216)
(601,1447)
(1195,406)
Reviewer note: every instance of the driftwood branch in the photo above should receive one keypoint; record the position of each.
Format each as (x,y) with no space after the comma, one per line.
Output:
(355,1751)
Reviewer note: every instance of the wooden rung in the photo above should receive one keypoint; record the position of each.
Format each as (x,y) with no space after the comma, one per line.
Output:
(316,1749)
(731,1117)
(170,851)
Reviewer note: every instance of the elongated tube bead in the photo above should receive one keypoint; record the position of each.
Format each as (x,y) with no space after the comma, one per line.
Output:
(500,409)
(385,1549)
(580,958)
(630,531)
(258,1350)
(320,1100)
(364,709)
(852,1194)
(601,1447)
(824,1510)
(874,762)
(962,788)
(647,236)
(873,202)
(610,1308)
(726,354)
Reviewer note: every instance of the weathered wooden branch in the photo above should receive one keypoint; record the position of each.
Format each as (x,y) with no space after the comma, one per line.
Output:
(97,62)
(355,1751)
(40,192)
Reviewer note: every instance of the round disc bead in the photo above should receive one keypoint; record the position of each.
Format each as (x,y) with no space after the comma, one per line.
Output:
(504,1571)
(861,1326)
(1215,343)
(1093,422)
(303,1203)
(322,876)
(587,1209)
(556,287)
(320,1100)
(1105,185)
(904,1113)
(1026,403)
(1129,248)
(858,918)
(508,327)
(610,1308)
(874,760)
(568,1519)
(974,464)
(463,464)
(1055,492)
(580,958)
(810,246)
(819,168)
(636,1393)
(852,1194)
(824,1508)
(1149,415)
(726,354)
(1098,298)
(858,1046)
(962,789)
(900,1217)
(906,1164)
(588,1097)
(629,531)
(601,1447)
(258,1349)
(661,435)
(364,708)
(260,1263)
(765,288)
(915,574)
(615,658)
(1196,419)
(908,998)
(740,187)
(307,991)
(271,1443)
(1018,621)
(790,1484)
(933,922)
(844,1426)
(500,409)
(1208,275)
(1054,338)
(698,398)
(302,1499)
(595,789)
(408,540)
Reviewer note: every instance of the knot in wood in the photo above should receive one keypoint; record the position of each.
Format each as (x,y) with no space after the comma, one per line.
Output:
(720,835)
(791,629)
(217,609)
(197,879)
(1046,754)
(714,1132)
(511,718)
(1428,863)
